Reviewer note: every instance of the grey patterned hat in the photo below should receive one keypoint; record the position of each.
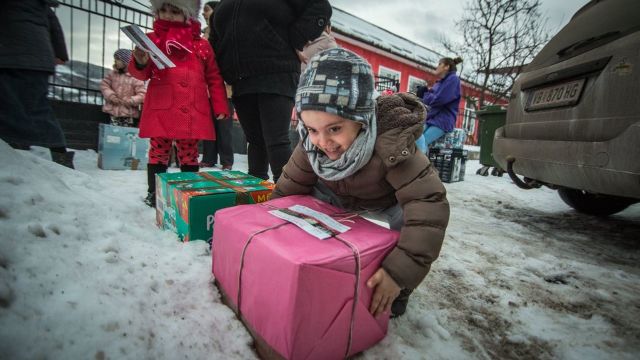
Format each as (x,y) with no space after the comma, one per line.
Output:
(338,81)
(123,55)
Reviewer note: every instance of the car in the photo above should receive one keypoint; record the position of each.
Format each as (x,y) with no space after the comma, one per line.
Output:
(573,120)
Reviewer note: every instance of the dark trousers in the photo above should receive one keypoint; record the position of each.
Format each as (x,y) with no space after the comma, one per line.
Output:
(265,121)
(26,117)
(222,146)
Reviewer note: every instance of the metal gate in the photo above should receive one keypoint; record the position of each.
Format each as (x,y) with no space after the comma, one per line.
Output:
(92,34)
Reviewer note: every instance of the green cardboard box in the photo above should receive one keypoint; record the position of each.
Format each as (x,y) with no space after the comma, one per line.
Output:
(186,202)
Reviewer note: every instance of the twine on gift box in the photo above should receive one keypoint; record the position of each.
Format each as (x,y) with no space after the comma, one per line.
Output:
(354,250)
(356,290)
(242,195)
(244,250)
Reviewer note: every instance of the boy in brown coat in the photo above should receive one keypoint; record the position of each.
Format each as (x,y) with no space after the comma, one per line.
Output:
(360,154)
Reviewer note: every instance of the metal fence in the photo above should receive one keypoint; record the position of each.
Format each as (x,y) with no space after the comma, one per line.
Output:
(386,83)
(92,34)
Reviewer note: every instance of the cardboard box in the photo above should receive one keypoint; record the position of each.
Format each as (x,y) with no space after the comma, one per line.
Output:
(186,202)
(300,296)
(120,148)
(451,163)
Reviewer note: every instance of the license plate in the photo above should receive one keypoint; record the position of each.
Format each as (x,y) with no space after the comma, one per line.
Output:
(558,95)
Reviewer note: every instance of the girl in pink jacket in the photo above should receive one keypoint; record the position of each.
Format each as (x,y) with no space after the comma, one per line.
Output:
(122,93)
(180,99)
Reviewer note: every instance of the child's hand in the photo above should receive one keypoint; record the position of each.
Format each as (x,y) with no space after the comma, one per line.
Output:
(141,56)
(114,99)
(386,290)
(221,117)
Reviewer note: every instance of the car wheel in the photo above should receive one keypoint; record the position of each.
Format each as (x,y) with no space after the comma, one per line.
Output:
(594,204)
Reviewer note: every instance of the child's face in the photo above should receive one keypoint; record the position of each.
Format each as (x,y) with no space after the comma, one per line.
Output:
(119,64)
(330,133)
(171,13)
(206,12)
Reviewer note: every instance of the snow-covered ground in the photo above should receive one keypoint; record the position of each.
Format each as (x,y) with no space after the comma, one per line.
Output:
(86,274)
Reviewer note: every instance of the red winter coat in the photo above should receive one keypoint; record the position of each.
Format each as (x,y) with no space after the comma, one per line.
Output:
(179,100)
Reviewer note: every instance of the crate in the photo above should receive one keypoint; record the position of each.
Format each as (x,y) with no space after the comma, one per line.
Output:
(450,163)
(451,140)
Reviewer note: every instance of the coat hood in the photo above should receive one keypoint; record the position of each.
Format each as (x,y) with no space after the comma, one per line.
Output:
(399,111)
(190,8)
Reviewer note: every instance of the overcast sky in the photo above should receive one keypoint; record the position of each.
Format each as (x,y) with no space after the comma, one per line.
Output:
(427,21)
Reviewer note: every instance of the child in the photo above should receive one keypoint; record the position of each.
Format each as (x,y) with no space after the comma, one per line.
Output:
(122,93)
(362,158)
(179,99)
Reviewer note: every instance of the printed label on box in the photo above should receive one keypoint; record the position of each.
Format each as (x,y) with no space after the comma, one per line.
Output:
(113,139)
(323,218)
(312,222)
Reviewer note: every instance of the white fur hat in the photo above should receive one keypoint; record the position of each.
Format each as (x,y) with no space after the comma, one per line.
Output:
(190,8)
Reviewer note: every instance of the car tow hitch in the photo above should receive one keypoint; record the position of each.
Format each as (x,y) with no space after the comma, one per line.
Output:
(523,184)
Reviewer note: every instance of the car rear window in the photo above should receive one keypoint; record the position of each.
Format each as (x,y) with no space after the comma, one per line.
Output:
(595,24)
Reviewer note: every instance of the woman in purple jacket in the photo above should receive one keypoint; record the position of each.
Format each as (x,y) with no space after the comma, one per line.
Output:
(442,101)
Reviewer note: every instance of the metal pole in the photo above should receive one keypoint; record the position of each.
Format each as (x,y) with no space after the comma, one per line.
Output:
(88,52)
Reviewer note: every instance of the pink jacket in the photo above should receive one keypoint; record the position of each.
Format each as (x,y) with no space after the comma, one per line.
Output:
(127,89)
(323,42)
(180,100)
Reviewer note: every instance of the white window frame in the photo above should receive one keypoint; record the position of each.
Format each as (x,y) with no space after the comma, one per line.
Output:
(469,119)
(395,74)
(416,81)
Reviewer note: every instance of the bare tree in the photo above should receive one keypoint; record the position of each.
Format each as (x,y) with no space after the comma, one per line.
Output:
(499,38)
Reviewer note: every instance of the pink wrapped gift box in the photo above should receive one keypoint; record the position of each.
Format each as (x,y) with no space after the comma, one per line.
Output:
(301,297)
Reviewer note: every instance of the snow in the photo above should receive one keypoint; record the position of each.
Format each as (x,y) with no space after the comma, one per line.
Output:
(85,273)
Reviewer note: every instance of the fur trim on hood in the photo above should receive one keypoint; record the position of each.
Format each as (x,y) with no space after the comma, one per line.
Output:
(190,8)
(400,110)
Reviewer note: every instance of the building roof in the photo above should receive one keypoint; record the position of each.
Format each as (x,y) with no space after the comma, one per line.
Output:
(352,26)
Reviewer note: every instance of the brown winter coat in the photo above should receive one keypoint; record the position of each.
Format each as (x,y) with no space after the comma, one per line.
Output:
(396,173)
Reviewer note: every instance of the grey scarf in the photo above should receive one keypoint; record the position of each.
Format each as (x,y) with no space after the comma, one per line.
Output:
(352,160)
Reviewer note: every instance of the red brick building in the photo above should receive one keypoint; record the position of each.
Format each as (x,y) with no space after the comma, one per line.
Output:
(392,56)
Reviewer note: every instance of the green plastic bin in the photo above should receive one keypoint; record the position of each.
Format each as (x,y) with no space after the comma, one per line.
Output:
(490,118)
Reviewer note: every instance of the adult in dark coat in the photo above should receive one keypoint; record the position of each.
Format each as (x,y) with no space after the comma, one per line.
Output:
(28,54)
(222,146)
(258,45)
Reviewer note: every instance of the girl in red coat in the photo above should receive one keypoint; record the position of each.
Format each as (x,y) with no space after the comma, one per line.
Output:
(179,101)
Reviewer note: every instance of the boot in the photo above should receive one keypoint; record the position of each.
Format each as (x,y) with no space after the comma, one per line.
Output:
(152,170)
(63,158)
(19,146)
(173,157)
(399,305)
(189,168)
